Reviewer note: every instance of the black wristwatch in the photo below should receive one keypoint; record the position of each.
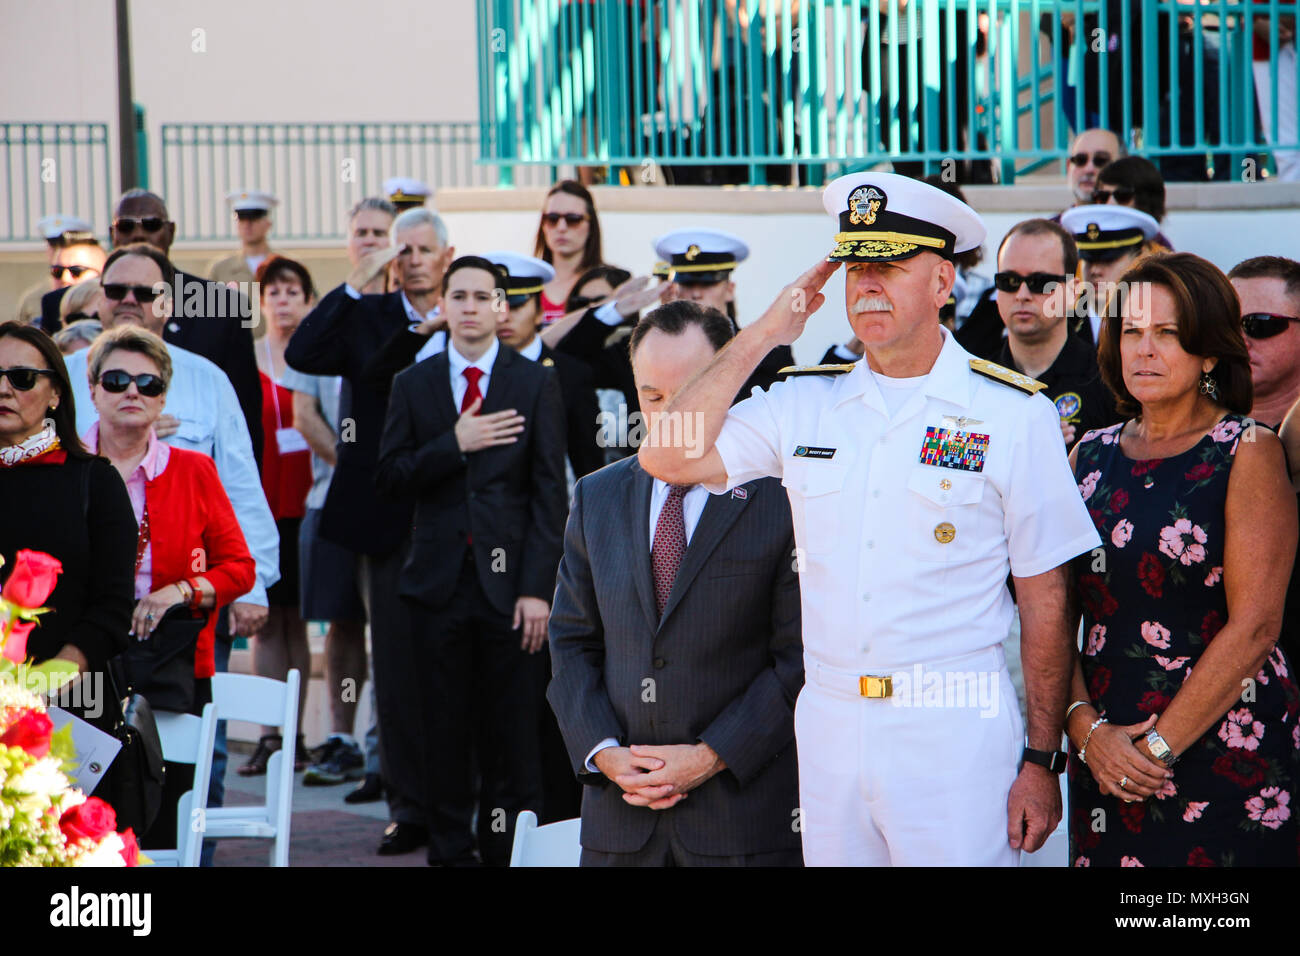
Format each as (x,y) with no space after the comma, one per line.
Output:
(1053,760)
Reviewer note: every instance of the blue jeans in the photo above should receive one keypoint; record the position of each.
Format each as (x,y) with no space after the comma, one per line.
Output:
(217,784)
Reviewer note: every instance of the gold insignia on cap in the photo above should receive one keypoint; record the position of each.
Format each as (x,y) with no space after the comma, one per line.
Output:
(692,252)
(864,204)
(792,370)
(1006,376)
(944,532)
(1093,231)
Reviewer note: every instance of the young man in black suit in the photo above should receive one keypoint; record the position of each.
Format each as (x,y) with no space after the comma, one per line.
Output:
(475,434)
(676,640)
(341,336)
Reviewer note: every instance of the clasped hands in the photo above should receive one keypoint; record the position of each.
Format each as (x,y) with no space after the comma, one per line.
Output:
(1118,753)
(659,777)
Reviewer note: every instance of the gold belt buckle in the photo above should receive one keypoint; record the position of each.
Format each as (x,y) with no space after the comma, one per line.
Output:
(876,687)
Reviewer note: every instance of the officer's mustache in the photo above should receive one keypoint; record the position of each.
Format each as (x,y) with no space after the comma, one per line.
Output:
(880,304)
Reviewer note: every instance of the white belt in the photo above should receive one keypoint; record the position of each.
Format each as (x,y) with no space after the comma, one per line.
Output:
(879,685)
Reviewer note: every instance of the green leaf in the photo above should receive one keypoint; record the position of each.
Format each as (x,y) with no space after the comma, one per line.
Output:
(55,673)
(61,746)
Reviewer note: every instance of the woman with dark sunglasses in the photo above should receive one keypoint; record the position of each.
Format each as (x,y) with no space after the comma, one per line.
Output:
(57,497)
(1135,182)
(178,510)
(568,238)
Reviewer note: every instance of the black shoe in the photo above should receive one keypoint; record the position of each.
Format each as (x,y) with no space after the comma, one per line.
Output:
(370,790)
(402,838)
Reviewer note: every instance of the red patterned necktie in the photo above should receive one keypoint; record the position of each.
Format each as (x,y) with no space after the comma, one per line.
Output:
(472,394)
(669,545)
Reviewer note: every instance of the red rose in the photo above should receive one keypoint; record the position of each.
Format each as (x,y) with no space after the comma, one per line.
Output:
(1198,857)
(31,732)
(1243,767)
(1119,500)
(32,579)
(1098,682)
(130,849)
(1200,472)
(1211,625)
(1142,467)
(92,820)
(1153,702)
(16,642)
(1151,573)
(1096,597)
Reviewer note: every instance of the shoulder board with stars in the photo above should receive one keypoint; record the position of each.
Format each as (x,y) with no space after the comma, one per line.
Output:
(1006,376)
(791,371)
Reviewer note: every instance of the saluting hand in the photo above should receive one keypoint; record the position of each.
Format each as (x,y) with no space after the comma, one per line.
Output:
(785,318)
(370,265)
(637,293)
(475,432)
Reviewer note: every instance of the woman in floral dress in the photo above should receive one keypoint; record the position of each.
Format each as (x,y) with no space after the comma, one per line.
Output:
(1182,605)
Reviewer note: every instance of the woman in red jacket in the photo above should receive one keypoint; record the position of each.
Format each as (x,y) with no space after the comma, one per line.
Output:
(189,549)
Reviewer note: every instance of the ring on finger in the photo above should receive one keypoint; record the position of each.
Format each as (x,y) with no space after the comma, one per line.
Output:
(1123,783)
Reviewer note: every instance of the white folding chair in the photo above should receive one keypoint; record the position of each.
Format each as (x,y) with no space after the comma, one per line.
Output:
(187,739)
(555,844)
(260,700)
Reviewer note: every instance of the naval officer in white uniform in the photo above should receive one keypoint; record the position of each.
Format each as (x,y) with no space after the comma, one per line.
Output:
(918,479)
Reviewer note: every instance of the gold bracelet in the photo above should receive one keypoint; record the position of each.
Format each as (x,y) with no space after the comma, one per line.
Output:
(1069,710)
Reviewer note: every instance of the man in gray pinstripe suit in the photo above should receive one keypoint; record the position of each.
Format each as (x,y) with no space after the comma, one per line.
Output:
(675,642)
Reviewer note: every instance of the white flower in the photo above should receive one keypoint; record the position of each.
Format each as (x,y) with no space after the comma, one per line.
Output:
(108,853)
(42,779)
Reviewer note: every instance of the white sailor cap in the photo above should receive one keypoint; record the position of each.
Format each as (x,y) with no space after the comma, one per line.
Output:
(57,226)
(525,275)
(1108,231)
(251,200)
(700,256)
(884,217)
(405,192)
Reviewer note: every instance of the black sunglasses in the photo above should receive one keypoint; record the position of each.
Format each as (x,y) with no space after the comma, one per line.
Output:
(116,291)
(572,218)
(24,379)
(77,271)
(1120,194)
(130,224)
(1098,159)
(1038,282)
(150,386)
(1265,325)
(585,301)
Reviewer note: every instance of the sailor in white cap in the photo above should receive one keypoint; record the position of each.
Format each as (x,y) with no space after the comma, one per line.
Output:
(699,264)
(917,479)
(72,253)
(1110,239)
(406,193)
(518,326)
(252,209)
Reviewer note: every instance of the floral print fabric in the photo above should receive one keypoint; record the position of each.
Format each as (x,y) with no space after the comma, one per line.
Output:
(1153,600)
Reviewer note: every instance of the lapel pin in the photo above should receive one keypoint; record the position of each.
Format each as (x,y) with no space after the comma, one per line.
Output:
(740,493)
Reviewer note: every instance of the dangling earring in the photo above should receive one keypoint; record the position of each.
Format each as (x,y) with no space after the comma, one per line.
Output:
(1209,387)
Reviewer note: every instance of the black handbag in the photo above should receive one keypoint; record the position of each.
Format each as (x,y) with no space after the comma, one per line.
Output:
(133,784)
(161,668)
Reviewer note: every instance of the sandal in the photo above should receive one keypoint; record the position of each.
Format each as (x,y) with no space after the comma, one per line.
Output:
(256,765)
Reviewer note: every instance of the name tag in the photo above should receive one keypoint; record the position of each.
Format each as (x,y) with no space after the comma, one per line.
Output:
(290,440)
(808,451)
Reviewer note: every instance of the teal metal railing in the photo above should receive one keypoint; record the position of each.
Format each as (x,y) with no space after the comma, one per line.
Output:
(317,170)
(53,167)
(828,85)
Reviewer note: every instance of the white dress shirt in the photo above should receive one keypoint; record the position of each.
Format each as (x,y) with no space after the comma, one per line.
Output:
(437,341)
(458,364)
(201,396)
(533,350)
(693,503)
(905,562)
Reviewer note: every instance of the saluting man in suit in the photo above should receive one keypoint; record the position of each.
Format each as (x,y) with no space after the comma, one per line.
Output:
(676,645)
(475,435)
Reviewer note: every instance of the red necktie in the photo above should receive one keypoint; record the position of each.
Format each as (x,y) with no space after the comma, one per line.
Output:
(472,394)
(669,545)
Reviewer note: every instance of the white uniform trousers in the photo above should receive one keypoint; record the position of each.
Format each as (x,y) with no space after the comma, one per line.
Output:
(926,784)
